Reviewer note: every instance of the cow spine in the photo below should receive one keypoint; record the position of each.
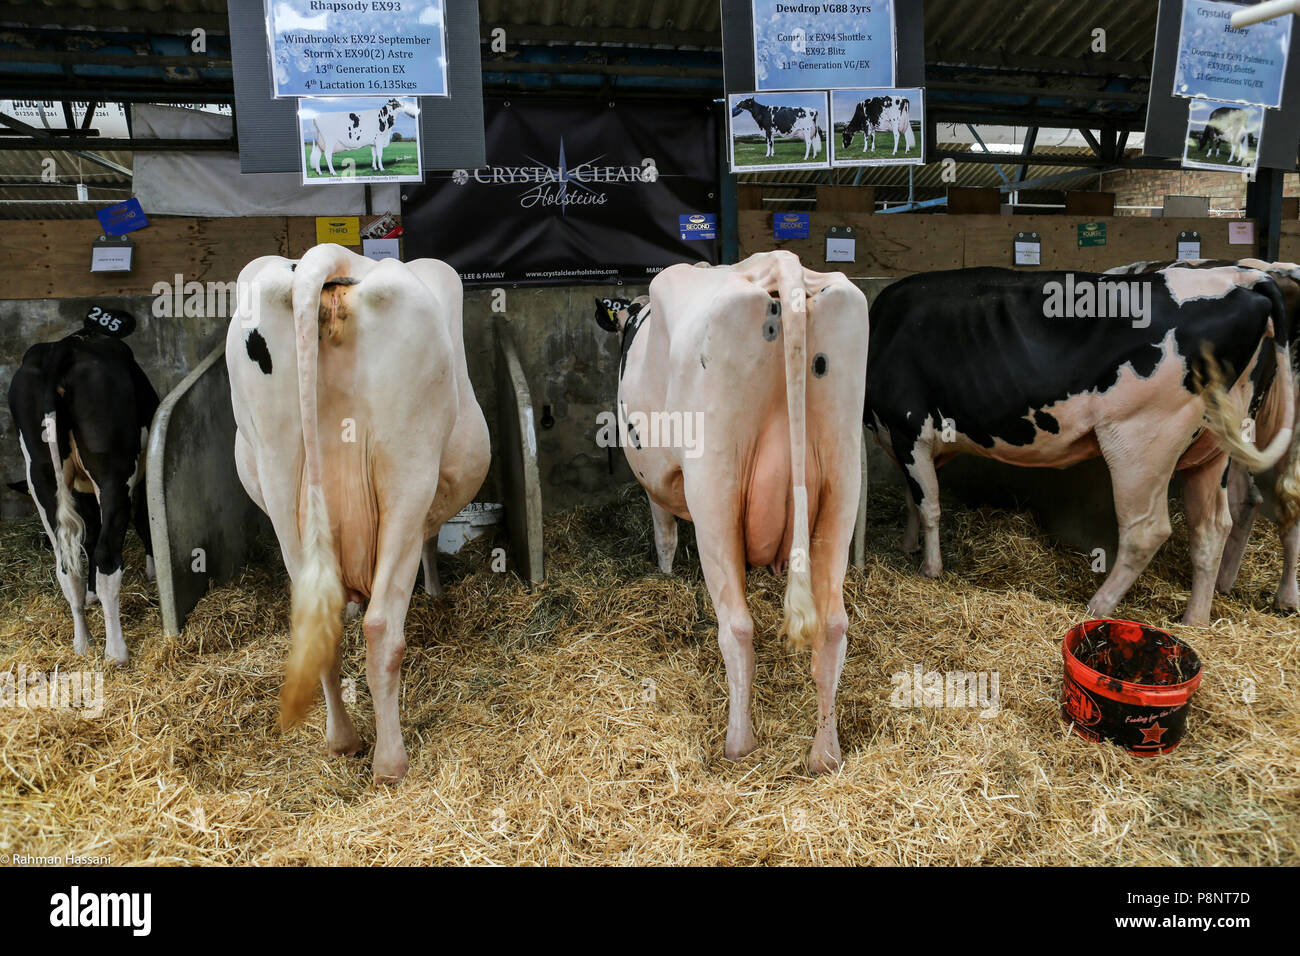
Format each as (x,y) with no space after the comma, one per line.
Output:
(316,622)
(799,623)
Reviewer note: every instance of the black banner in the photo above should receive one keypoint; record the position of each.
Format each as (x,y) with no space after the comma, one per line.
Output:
(575,191)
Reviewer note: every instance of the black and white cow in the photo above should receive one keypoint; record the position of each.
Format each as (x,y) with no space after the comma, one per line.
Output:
(1232,125)
(1049,369)
(1246,500)
(352,129)
(82,407)
(794,121)
(878,114)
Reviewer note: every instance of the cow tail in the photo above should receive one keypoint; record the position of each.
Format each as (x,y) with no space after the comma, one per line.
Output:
(69,528)
(1287,489)
(1226,422)
(316,615)
(799,622)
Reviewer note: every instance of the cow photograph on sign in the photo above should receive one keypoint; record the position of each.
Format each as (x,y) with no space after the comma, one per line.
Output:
(1222,136)
(877,127)
(346,139)
(778,131)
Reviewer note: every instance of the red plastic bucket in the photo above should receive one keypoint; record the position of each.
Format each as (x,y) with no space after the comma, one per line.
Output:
(1128,683)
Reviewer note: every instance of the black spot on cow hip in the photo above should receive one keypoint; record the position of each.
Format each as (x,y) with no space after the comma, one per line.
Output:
(255,345)
(771,328)
(1046,422)
(820,364)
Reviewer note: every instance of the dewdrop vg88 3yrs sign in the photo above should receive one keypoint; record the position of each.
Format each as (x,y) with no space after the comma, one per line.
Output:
(357,47)
(823,45)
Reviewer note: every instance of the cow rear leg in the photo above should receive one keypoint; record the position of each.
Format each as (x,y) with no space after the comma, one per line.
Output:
(828,561)
(1243,505)
(923,485)
(341,737)
(401,545)
(1208,524)
(1288,595)
(1141,488)
(912,532)
(115,509)
(429,562)
(665,525)
(88,508)
(722,559)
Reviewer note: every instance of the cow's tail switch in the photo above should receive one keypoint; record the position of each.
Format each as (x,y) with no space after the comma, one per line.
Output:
(316,617)
(1224,418)
(69,529)
(799,622)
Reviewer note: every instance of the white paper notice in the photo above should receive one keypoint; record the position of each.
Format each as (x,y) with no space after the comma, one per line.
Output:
(381,248)
(1241,233)
(840,250)
(1189,250)
(110,258)
(1029,253)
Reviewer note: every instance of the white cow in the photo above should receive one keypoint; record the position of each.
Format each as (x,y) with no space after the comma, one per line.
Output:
(358,435)
(741,397)
(352,129)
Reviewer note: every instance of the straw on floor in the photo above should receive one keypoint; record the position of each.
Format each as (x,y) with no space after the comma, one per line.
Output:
(582,721)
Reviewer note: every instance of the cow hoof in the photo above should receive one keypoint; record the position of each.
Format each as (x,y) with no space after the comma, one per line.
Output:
(931,570)
(1282,607)
(91,598)
(391,771)
(352,609)
(80,646)
(1195,620)
(150,572)
(119,662)
(819,763)
(343,743)
(740,750)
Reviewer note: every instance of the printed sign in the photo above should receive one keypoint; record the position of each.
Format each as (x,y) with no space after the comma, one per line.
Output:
(1222,136)
(574,191)
(1219,62)
(1189,245)
(111,256)
(698,225)
(1241,233)
(1092,234)
(1028,249)
(121,218)
(791,225)
(827,46)
(344,230)
(357,47)
(877,127)
(778,131)
(381,249)
(348,140)
(841,244)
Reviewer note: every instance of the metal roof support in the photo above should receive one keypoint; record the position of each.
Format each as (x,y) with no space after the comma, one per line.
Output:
(980,139)
(1031,137)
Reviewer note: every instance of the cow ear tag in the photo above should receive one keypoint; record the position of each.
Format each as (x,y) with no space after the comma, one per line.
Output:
(607,315)
(117,323)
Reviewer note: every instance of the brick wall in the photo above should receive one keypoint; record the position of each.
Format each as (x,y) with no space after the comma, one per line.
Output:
(1148,187)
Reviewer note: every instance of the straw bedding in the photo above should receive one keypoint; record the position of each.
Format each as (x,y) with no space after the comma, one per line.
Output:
(582,721)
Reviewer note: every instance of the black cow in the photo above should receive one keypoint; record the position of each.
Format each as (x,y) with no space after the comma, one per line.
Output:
(1049,369)
(787,121)
(881,113)
(83,408)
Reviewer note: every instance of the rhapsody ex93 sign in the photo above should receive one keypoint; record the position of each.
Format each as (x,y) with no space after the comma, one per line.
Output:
(574,191)
(357,47)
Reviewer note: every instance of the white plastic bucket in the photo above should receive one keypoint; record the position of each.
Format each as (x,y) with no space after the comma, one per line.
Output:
(472,522)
